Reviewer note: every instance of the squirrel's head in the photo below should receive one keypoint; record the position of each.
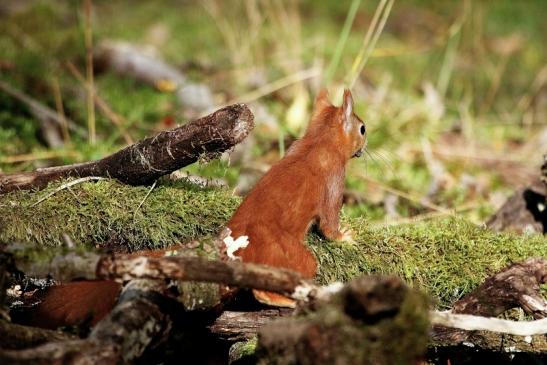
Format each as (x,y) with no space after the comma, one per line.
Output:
(340,122)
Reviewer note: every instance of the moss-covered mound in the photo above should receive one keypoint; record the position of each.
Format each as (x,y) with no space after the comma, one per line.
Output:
(447,258)
(95,213)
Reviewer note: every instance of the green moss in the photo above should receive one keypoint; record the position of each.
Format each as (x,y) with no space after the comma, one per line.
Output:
(447,257)
(95,213)
(243,351)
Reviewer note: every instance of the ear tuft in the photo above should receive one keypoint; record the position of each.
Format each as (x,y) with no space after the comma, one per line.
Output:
(322,100)
(347,105)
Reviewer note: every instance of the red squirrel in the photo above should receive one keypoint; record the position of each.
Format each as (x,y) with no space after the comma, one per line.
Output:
(303,188)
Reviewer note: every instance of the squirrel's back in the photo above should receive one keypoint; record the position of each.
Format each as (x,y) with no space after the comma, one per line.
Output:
(302,188)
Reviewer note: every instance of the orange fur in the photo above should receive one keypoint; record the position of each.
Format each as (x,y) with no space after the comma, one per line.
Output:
(306,186)
(79,302)
(74,303)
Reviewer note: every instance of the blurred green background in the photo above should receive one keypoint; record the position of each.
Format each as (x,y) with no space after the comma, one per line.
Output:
(454,93)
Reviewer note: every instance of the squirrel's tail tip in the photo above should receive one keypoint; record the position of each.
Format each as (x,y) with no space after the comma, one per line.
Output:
(273,299)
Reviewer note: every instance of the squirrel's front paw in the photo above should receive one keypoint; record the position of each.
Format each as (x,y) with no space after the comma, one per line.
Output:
(346,235)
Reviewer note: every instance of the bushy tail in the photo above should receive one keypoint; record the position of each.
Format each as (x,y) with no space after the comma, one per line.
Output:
(74,303)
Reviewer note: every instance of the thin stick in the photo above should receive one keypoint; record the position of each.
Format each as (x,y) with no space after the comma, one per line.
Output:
(60,110)
(277,85)
(477,323)
(406,196)
(146,196)
(114,117)
(38,109)
(45,155)
(68,185)
(89,70)
(424,216)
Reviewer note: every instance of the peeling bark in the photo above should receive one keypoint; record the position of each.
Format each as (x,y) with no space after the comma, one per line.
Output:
(515,286)
(151,158)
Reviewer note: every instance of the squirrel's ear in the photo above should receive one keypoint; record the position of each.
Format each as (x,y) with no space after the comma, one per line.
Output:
(322,100)
(347,105)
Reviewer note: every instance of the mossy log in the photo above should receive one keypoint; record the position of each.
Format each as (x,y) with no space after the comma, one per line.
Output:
(448,257)
(151,158)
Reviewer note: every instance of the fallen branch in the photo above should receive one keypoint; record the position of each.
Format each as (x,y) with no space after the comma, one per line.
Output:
(124,267)
(50,121)
(238,326)
(515,286)
(477,323)
(147,160)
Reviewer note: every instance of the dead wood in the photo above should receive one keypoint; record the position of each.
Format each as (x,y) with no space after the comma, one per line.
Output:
(526,210)
(240,326)
(367,309)
(124,267)
(523,212)
(136,323)
(147,160)
(515,286)
(490,341)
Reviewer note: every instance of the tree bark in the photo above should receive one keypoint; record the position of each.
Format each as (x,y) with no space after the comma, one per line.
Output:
(240,326)
(147,160)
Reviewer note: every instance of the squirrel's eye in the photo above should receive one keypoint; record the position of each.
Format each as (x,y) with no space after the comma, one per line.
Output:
(363,129)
